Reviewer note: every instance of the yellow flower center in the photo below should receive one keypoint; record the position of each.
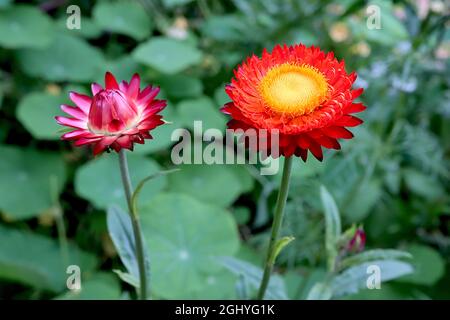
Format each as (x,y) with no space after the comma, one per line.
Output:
(294,89)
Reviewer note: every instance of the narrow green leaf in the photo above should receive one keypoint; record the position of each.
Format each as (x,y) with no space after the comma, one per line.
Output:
(128,278)
(242,288)
(376,254)
(279,245)
(121,232)
(332,226)
(320,291)
(355,278)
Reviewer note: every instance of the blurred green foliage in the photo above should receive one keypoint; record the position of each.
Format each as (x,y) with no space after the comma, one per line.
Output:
(393,177)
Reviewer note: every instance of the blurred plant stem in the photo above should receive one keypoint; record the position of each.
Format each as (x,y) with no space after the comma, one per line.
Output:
(276,225)
(59,218)
(135,223)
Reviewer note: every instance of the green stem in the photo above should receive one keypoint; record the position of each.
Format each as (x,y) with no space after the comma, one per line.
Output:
(135,223)
(276,225)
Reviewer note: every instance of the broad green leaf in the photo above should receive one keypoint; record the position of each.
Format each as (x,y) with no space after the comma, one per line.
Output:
(185,237)
(224,28)
(128,18)
(30,181)
(363,200)
(201,109)
(121,232)
(253,275)
(173,3)
(222,190)
(167,55)
(88,28)
(355,278)
(298,35)
(5,3)
(429,265)
(36,260)
(24,26)
(422,184)
(220,96)
(67,58)
(181,86)
(122,68)
(333,228)
(390,32)
(375,254)
(99,180)
(37,111)
(217,286)
(242,215)
(100,286)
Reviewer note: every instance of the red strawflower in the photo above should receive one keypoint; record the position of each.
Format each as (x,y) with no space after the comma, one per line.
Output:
(115,117)
(303,92)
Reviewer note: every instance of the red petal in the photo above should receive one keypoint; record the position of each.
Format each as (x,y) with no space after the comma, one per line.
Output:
(303,153)
(316,150)
(356,93)
(103,144)
(329,143)
(337,132)
(289,150)
(125,142)
(110,81)
(348,121)
(303,141)
(354,108)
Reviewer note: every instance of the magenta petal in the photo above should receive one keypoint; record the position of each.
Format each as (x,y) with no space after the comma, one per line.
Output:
(96,88)
(84,141)
(74,112)
(74,134)
(133,88)
(71,122)
(123,86)
(147,95)
(82,101)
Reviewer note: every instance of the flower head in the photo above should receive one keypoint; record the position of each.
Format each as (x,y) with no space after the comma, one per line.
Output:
(302,92)
(115,117)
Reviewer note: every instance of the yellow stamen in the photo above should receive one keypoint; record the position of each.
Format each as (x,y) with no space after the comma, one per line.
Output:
(293,89)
